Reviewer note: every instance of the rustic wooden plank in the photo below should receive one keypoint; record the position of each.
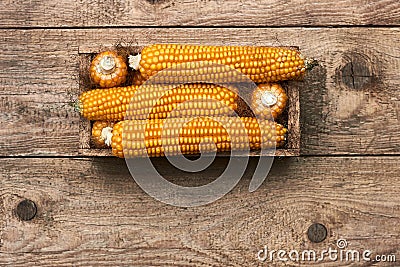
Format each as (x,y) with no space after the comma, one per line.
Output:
(91,212)
(92,13)
(350,104)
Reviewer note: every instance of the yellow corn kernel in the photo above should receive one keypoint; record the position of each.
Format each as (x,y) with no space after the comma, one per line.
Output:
(287,63)
(268,100)
(108,69)
(97,138)
(158,137)
(156,101)
(138,78)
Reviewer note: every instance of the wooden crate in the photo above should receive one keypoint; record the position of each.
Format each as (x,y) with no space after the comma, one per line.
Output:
(292,147)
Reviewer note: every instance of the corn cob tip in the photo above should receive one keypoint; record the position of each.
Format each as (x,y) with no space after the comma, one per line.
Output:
(106,135)
(107,64)
(108,69)
(310,63)
(268,99)
(134,61)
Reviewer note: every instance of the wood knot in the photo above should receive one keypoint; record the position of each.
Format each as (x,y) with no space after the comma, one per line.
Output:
(358,71)
(26,210)
(317,232)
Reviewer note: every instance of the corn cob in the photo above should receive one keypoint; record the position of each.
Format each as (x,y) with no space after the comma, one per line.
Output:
(155,102)
(268,100)
(139,138)
(99,137)
(260,64)
(108,69)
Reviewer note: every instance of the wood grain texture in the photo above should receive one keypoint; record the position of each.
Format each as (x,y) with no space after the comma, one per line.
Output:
(349,104)
(91,212)
(94,13)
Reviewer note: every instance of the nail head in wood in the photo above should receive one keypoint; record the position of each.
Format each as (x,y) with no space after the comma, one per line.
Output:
(26,210)
(317,232)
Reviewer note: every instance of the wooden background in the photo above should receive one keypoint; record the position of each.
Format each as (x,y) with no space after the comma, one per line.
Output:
(89,210)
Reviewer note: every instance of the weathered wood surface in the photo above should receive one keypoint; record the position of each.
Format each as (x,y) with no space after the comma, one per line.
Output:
(91,212)
(64,13)
(349,104)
